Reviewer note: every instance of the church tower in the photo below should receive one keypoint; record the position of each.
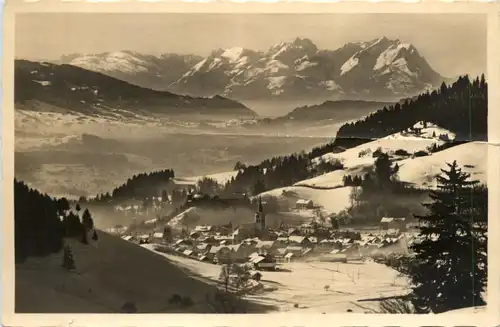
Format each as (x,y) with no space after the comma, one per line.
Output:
(260,217)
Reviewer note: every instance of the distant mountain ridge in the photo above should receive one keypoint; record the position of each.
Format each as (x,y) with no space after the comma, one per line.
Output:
(347,109)
(73,88)
(153,72)
(379,69)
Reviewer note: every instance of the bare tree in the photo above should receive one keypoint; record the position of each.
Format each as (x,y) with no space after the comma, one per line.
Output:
(397,306)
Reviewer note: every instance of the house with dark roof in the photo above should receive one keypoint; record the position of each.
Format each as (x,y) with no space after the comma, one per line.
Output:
(393,223)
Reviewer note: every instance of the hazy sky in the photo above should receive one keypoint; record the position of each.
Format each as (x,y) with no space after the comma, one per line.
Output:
(452,43)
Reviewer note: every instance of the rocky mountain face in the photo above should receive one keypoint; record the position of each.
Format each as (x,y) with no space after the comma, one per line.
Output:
(379,69)
(47,86)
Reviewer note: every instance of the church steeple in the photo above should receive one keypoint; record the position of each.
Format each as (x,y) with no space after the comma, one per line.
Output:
(260,217)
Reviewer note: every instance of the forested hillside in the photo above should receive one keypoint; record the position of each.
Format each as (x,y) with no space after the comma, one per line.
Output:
(41,223)
(461,108)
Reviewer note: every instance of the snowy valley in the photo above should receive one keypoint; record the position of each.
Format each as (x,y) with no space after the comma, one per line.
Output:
(340,175)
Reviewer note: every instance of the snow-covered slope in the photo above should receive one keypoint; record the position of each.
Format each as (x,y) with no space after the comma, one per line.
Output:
(472,157)
(327,190)
(108,274)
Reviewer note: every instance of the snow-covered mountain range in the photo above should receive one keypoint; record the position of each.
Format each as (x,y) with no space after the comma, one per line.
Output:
(153,72)
(379,69)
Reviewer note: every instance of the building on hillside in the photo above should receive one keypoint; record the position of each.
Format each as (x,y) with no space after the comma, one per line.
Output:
(243,232)
(263,262)
(393,223)
(278,253)
(208,239)
(264,246)
(240,252)
(219,254)
(130,238)
(203,228)
(307,228)
(296,250)
(157,237)
(304,204)
(202,248)
(299,240)
(195,235)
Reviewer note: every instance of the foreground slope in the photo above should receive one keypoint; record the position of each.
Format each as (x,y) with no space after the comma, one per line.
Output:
(108,274)
(300,286)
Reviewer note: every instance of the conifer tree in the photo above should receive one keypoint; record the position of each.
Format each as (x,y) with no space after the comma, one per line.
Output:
(446,274)
(68,262)
(84,235)
(87,221)
(383,170)
(164,196)
(259,187)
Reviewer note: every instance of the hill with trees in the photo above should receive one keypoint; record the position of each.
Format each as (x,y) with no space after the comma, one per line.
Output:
(139,187)
(71,88)
(461,107)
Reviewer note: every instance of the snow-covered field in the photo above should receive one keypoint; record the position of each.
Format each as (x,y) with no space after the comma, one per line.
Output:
(332,201)
(303,283)
(472,157)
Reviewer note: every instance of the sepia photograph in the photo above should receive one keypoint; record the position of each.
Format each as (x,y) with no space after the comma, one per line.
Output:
(250,163)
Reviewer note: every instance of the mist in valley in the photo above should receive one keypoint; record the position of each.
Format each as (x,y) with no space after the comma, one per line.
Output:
(88,159)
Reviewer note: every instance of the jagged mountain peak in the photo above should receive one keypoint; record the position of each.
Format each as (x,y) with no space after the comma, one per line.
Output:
(378,69)
(300,44)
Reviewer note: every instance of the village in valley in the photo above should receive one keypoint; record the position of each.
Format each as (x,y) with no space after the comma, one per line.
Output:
(258,249)
(266,247)
(270,175)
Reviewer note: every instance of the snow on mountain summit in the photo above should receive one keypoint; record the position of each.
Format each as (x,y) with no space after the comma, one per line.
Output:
(388,57)
(380,68)
(233,54)
(124,61)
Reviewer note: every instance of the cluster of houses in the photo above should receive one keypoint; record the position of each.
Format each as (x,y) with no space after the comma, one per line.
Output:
(210,244)
(418,130)
(263,247)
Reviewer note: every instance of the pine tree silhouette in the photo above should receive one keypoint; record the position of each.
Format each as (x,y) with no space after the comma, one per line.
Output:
(68,262)
(446,271)
(84,235)
(87,221)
